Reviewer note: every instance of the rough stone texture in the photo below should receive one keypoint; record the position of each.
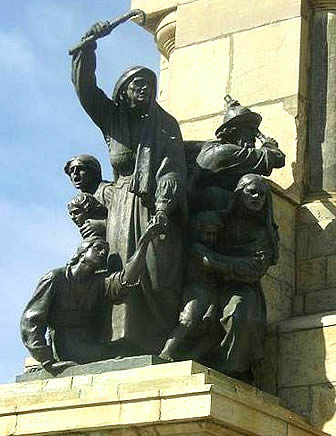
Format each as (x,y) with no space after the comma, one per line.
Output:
(320,301)
(311,274)
(317,239)
(297,399)
(194,18)
(280,44)
(298,305)
(284,270)
(278,295)
(303,364)
(189,95)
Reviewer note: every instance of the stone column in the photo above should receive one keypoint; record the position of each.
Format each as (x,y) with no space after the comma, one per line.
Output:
(322,120)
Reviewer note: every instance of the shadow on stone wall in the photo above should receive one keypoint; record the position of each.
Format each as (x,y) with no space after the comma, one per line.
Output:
(300,362)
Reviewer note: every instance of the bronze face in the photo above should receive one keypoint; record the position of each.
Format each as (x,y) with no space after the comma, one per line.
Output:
(253,196)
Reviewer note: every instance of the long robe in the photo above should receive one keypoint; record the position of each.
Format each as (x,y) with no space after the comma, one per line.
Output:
(246,257)
(148,161)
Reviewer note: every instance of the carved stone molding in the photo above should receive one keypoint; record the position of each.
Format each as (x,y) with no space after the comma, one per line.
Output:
(165,34)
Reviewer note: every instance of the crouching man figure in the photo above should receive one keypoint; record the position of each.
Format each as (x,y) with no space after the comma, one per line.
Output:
(61,325)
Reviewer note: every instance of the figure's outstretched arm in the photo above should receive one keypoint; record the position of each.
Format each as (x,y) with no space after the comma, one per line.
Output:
(118,284)
(134,267)
(104,28)
(95,102)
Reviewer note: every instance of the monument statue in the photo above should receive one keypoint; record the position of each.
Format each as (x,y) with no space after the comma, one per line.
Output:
(68,305)
(147,156)
(143,281)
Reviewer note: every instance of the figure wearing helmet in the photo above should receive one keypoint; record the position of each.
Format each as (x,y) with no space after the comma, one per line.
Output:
(147,156)
(223,161)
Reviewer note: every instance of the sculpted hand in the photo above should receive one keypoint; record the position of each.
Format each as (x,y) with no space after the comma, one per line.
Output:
(270,142)
(99,29)
(104,28)
(162,219)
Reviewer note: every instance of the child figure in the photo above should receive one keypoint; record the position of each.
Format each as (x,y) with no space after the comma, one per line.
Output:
(85,206)
(193,335)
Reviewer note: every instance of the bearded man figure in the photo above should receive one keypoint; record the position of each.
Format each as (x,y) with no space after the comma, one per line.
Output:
(147,156)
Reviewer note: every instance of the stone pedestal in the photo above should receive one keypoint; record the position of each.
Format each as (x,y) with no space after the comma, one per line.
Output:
(182,398)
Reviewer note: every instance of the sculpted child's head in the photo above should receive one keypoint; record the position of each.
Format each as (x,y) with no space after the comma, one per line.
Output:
(206,226)
(85,206)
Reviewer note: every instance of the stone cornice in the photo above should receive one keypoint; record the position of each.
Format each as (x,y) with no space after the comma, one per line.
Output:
(160,21)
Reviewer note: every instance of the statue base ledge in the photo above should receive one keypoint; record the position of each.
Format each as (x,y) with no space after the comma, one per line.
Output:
(36,372)
(181,398)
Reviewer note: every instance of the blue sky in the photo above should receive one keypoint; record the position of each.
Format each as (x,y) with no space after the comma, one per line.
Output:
(42,126)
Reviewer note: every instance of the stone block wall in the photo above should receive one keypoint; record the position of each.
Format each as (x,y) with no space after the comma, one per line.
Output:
(263,56)
(279,282)
(316,252)
(300,367)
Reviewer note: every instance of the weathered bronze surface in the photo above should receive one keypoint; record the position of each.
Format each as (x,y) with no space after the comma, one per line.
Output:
(173,249)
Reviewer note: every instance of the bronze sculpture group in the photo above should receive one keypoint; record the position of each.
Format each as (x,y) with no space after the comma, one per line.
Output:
(172,256)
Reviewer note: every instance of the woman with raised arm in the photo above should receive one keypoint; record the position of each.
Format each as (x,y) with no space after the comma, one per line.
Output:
(147,156)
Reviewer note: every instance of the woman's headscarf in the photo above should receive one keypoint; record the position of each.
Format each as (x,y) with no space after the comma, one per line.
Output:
(267,210)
